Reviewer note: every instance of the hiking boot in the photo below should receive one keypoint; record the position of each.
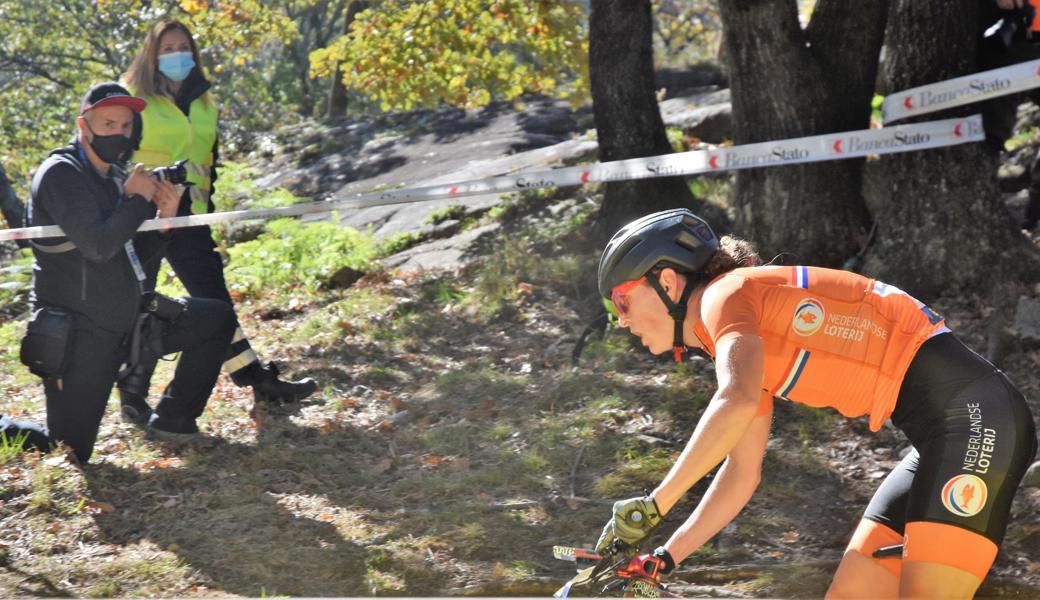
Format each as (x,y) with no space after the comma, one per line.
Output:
(175,432)
(134,409)
(267,387)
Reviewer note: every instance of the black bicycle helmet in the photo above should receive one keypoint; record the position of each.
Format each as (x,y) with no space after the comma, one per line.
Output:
(674,238)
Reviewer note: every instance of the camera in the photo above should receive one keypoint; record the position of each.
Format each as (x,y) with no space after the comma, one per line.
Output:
(177,173)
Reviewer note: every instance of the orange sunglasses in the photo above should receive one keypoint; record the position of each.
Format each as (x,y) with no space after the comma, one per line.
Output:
(619,295)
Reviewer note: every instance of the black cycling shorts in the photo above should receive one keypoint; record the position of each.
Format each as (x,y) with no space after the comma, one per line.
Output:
(973,438)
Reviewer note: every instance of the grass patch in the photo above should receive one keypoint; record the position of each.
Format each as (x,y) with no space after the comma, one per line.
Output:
(519,262)
(11,447)
(15,285)
(397,242)
(357,309)
(295,257)
(451,212)
(473,382)
(54,490)
(644,471)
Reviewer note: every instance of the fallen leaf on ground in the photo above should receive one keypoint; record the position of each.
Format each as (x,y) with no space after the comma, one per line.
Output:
(93,507)
(326,517)
(790,537)
(432,459)
(161,463)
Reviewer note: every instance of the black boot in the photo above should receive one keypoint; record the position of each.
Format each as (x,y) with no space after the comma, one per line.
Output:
(133,393)
(134,409)
(267,387)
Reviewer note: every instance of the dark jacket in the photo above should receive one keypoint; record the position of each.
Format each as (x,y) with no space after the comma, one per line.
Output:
(95,279)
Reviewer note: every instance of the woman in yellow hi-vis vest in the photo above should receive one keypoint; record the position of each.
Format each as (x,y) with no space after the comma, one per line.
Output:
(181,123)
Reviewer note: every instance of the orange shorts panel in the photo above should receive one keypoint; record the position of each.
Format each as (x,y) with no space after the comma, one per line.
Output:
(871,535)
(949,545)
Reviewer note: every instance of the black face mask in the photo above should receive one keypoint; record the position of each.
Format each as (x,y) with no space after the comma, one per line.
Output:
(111,148)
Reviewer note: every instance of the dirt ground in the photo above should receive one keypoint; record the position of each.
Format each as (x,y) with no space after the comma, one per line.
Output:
(449,449)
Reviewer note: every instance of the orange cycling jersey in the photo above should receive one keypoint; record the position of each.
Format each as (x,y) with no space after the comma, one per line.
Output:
(831,338)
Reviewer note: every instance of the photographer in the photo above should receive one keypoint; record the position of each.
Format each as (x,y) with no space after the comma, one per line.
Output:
(1011,35)
(180,123)
(87,286)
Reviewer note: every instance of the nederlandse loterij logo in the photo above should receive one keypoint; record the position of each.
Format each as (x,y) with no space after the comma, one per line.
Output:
(964,495)
(808,317)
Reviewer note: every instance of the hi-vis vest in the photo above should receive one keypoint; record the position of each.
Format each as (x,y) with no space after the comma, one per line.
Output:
(170,136)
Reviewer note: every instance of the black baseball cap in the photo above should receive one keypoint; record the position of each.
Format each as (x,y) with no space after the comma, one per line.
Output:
(111,93)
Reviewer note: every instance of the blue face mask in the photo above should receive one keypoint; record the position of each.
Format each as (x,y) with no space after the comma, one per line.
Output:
(176,65)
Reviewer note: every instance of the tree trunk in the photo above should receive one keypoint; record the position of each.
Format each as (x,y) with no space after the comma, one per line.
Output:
(942,228)
(11,207)
(787,82)
(628,120)
(337,104)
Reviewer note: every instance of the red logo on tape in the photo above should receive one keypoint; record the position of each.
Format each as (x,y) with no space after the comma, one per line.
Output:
(454,190)
(713,161)
(909,102)
(585,176)
(957,130)
(837,146)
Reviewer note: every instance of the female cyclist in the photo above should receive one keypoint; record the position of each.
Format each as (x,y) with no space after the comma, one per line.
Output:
(824,338)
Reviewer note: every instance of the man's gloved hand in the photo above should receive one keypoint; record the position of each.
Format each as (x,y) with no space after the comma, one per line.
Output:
(633,521)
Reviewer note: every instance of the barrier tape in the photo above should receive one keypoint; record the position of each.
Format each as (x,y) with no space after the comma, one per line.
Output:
(833,146)
(951,93)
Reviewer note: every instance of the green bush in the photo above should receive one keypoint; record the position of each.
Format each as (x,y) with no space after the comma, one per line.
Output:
(292,255)
(236,190)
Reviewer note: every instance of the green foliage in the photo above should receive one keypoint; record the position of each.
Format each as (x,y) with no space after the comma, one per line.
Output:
(464,53)
(50,53)
(398,242)
(237,190)
(454,211)
(15,285)
(1028,136)
(676,138)
(11,447)
(291,256)
(685,31)
(645,471)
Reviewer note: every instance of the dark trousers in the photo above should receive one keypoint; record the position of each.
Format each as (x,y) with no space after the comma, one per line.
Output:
(1000,115)
(76,402)
(193,256)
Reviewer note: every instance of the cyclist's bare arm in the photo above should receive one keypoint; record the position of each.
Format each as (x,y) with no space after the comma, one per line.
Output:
(729,491)
(724,422)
